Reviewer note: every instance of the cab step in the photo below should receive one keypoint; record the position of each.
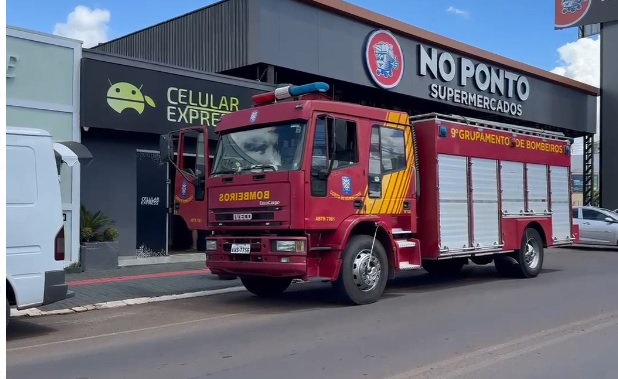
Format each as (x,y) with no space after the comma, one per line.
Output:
(397,231)
(408,254)
(405,266)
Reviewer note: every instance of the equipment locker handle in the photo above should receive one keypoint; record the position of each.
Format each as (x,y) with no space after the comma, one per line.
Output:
(358,204)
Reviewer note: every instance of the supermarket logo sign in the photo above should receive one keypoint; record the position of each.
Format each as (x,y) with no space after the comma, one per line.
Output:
(384,59)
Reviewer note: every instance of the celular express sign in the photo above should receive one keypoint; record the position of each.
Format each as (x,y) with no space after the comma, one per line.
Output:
(462,81)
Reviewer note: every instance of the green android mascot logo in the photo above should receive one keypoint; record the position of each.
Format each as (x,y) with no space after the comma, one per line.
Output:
(123,95)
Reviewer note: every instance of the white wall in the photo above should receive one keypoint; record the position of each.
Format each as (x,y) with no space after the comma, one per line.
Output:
(42,90)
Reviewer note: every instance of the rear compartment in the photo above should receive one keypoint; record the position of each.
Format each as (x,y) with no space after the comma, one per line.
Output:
(476,182)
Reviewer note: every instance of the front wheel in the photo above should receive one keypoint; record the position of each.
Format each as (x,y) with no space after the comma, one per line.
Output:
(364,272)
(264,286)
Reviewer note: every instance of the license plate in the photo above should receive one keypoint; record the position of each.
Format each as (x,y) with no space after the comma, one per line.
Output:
(240,248)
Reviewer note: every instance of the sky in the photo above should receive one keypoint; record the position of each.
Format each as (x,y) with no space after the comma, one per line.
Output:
(521,30)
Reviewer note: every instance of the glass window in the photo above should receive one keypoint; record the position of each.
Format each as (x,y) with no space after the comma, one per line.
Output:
(344,144)
(393,149)
(575,213)
(375,166)
(267,148)
(590,214)
(319,157)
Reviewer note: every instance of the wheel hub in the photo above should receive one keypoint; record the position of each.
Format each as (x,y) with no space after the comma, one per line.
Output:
(366,270)
(531,255)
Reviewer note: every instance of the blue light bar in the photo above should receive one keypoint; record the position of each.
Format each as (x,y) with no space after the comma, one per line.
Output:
(308,88)
(290,91)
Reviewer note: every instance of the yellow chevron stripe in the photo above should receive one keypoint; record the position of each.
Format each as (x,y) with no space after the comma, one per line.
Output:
(410,170)
(397,203)
(387,198)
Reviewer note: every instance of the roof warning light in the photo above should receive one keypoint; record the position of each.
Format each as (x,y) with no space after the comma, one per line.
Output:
(287,92)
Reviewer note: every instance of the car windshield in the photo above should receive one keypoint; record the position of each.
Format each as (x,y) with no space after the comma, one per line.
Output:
(268,148)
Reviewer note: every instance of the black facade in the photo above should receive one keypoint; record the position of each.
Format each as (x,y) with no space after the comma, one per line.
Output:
(609,115)
(331,46)
(126,104)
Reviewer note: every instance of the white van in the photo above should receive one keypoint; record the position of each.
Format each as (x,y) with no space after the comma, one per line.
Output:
(34,220)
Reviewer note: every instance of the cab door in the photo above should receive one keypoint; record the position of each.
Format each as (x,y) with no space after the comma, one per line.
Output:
(336,174)
(190,201)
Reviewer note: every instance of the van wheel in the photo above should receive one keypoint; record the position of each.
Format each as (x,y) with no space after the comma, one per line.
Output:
(530,255)
(8,311)
(445,268)
(364,273)
(264,286)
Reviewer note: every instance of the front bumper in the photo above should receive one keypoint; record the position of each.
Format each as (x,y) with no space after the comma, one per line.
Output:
(56,288)
(260,260)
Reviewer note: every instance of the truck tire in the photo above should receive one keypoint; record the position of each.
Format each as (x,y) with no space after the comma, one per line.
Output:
(227,277)
(264,286)
(444,268)
(505,264)
(363,274)
(530,255)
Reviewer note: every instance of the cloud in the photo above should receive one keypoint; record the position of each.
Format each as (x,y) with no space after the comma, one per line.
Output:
(581,60)
(457,11)
(85,24)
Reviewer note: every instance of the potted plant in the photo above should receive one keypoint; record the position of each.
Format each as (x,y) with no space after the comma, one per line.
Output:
(74,268)
(99,241)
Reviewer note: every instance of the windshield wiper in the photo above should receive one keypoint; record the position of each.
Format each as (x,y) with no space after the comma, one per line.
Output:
(260,166)
(225,172)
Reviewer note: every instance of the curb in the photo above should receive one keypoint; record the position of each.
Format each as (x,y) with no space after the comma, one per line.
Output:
(35,312)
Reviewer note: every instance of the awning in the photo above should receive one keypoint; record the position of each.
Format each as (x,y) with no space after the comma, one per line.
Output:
(73,152)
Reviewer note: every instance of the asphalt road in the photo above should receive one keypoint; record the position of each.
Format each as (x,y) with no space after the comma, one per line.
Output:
(562,324)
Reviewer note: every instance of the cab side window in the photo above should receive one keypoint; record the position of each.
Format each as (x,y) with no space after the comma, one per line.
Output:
(386,155)
(345,143)
(392,149)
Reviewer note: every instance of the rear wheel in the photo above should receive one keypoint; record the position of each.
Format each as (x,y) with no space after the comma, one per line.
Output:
(448,267)
(525,262)
(530,255)
(8,311)
(264,286)
(364,272)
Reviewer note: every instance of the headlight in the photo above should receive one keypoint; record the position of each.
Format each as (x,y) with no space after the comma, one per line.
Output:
(211,245)
(289,246)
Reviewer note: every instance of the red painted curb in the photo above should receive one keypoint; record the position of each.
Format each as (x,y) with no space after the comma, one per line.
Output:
(119,279)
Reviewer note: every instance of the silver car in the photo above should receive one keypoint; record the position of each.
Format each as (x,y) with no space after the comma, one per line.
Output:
(597,226)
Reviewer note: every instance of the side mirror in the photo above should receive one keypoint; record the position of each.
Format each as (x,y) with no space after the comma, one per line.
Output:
(610,220)
(165,147)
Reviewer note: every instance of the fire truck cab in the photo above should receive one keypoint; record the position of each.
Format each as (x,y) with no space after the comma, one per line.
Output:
(307,188)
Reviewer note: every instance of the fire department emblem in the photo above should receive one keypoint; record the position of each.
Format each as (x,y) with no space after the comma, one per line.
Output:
(253,116)
(183,190)
(346,185)
(570,12)
(384,59)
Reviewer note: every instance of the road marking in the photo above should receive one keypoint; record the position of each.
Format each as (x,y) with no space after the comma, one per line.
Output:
(489,356)
(128,278)
(132,331)
(35,312)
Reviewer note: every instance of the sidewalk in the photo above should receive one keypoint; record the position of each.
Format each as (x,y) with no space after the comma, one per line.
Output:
(133,282)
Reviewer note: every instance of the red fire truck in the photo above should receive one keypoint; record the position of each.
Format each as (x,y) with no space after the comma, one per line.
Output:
(307,188)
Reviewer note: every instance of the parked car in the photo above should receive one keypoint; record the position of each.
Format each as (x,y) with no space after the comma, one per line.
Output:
(597,226)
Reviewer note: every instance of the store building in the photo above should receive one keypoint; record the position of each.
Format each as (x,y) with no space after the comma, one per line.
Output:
(366,58)
(126,104)
(42,91)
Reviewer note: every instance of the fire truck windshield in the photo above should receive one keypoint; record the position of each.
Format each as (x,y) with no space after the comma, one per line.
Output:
(268,148)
